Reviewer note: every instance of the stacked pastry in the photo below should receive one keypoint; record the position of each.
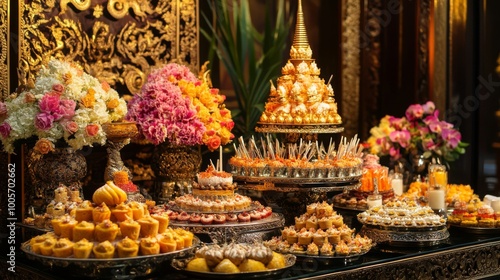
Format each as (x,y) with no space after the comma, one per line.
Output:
(214,201)
(110,228)
(320,231)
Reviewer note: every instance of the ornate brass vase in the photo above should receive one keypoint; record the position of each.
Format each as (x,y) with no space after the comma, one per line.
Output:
(62,166)
(175,168)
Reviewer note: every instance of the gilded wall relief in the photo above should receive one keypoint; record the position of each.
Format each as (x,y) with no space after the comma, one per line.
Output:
(4,48)
(118,41)
(350,65)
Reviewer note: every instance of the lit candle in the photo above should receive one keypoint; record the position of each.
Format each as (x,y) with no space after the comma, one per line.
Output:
(374,200)
(397,184)
(436,198)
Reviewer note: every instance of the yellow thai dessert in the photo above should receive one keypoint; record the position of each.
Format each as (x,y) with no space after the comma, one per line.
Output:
(198,264)
(63,248)
(106,230)
(104,250)
(56,223)
(137,209)
(149,226)
(83,212)
(127,248)
(37,241)
(82,249)
(167,243)
(278,261)
(47,246)
(101,213)
(122,212)
(226,266)
(163,221)
(249,265)
(130,229)
(67,225)
(82,230)
(187,236)
(110,194)
(149,246)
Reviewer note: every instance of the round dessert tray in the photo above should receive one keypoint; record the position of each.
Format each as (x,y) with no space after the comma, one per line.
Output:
(253,206)
(118,267)
(328,260)
(293,187)
(297,181)
(406,236)
(180,265)
(231,230)
(298,128)
(350,208)
(475,230)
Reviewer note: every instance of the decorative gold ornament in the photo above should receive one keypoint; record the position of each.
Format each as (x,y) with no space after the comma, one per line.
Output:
(300,97)
(119,46)
(4,49)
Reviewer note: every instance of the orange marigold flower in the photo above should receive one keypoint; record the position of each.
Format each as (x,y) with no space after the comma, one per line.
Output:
(89,99)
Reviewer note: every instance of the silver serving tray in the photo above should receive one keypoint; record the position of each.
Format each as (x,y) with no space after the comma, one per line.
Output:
(273,218)
(253,206)
(91,267)
(180,264)
(476,230)
(297,181)
(406,238)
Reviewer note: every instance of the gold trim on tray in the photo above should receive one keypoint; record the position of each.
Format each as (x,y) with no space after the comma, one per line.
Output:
(118,42)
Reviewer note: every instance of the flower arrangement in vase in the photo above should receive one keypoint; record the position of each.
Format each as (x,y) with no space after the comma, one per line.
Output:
(176,106)
(64,107)
(419,133)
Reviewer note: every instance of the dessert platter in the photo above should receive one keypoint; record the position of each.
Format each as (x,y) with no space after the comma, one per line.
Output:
(320,233)
(355,198)
(400,223)
(109,233)
(235,260)
(305,163)
(213,207)
(475,218)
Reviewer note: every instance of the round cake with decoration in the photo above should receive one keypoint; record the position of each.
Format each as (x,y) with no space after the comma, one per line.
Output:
(213,201)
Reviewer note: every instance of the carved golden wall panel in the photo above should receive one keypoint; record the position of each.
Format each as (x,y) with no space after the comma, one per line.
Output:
(118,41)
(350,66)
(4,48)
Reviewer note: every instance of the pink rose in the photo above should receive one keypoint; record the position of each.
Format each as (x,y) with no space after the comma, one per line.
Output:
(43,121)
(67,108)
(50,104)
(92,129)
(3,109)
(70,126)
(5,129)
(58,88)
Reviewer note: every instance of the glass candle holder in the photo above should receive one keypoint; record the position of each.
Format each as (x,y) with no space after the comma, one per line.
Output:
(374,200)
(397,183)
(438,175)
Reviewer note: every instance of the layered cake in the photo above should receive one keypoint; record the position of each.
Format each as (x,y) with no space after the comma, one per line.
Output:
(300,96)
(214,201)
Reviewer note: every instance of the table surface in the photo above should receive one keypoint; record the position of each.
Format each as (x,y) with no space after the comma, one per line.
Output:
(467,253)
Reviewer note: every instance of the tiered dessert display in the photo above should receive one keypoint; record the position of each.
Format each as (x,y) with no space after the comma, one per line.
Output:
(110,233)
(213,207)
(321,233)
(373,174)
(407,224)
(246,260)
(300,106)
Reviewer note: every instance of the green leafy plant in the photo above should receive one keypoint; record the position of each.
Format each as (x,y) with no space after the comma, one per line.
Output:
(251,58)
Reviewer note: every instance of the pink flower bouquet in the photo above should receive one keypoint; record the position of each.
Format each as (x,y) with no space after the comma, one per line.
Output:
(419,132)
(175,106)
(64,106)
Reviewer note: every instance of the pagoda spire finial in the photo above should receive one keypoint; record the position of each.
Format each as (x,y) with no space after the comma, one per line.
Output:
(300,47)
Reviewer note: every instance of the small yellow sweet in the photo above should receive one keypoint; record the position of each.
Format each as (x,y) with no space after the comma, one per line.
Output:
(198,264)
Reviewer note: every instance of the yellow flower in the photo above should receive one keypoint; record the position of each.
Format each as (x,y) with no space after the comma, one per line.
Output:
(89,99)
(67,78)
(113,103)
